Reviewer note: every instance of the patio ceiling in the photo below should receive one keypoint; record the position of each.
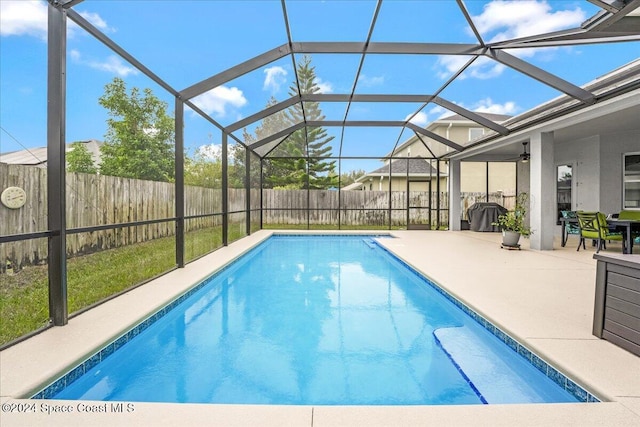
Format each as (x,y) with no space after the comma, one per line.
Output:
(419,48)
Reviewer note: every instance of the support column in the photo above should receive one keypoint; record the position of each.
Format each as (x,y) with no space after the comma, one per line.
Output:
(438,196)
(179,184)
(455,210)
(247,188)
(225,190)
(542,203)
(56,178)
(261,193)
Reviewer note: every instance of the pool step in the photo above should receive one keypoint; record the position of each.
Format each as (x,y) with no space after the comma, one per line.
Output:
(486,365)
(370,243)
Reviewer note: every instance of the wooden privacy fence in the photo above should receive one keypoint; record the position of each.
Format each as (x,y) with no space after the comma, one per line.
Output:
(354,208)
(96,200)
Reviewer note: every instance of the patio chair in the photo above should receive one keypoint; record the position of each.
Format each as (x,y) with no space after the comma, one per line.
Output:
(593,225)
(571,228)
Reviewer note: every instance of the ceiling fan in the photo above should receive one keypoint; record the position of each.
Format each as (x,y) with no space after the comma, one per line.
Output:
(524,156)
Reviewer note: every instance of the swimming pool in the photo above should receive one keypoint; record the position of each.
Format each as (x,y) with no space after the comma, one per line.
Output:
(316,320)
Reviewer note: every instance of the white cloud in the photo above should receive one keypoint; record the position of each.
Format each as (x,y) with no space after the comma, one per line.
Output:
(18,18)
(522,18)
(367,81)
(96,20)
(481,68)
(275,77)
(419,119)
(488,106)
(325,87)
(217,100)
(75,55)
(440,112)
(113,64)
(503,20)
(29,18)
(210,151)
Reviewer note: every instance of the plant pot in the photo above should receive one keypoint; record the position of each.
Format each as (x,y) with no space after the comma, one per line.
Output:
(510,238)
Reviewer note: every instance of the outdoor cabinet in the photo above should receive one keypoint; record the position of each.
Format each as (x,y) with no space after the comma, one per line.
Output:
(616,316)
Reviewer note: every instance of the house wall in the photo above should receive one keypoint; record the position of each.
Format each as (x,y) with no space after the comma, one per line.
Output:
(414,150)
(473,177)
(456,133)
(598,167)
(612,147)
(584,155)
(400,184)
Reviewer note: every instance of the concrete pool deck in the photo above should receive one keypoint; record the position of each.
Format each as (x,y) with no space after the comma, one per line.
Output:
(544,299)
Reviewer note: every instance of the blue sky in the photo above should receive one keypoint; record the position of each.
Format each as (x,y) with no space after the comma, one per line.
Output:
(185,42)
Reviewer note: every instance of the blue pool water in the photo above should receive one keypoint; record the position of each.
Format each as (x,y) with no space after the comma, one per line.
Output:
(315,320)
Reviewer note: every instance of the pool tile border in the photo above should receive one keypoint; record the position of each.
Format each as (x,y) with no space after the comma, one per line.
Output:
(539,363)
(76,372)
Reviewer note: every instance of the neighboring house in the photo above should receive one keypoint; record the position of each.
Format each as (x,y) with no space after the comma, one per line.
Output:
(38,156)
(420,172)
(455,128)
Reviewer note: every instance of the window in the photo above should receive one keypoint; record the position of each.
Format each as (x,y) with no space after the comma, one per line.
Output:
(631,181)
(564,190)
(475,133)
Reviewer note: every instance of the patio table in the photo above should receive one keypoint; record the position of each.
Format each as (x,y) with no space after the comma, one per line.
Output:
(627,226)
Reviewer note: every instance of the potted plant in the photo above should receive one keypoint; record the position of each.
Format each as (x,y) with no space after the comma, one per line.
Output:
(512,223)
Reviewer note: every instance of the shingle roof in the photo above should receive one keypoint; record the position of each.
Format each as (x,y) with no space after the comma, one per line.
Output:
(417,166)
(38,156)
(30,157)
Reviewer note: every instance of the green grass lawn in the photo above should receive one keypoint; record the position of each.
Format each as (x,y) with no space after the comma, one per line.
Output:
(24,303)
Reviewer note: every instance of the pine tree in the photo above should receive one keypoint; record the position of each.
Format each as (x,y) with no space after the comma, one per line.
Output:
(286,166)
(311,141)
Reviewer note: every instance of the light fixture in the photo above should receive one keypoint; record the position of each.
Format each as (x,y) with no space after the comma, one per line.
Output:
(524,157)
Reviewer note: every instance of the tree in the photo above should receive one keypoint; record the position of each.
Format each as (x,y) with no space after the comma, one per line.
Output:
(140,133)
(350,177)
(203,169)
(278,172)
(312,141)
(79,159)
(286,166)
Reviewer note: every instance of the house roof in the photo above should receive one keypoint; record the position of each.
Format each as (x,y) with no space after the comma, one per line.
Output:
(498,118)
(417,166)
(38,156)
(29,157)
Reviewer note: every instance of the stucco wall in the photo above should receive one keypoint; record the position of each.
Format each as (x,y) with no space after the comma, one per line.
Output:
(473,177)
(584,155)
(400,184)
(597,162)
(612,147)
